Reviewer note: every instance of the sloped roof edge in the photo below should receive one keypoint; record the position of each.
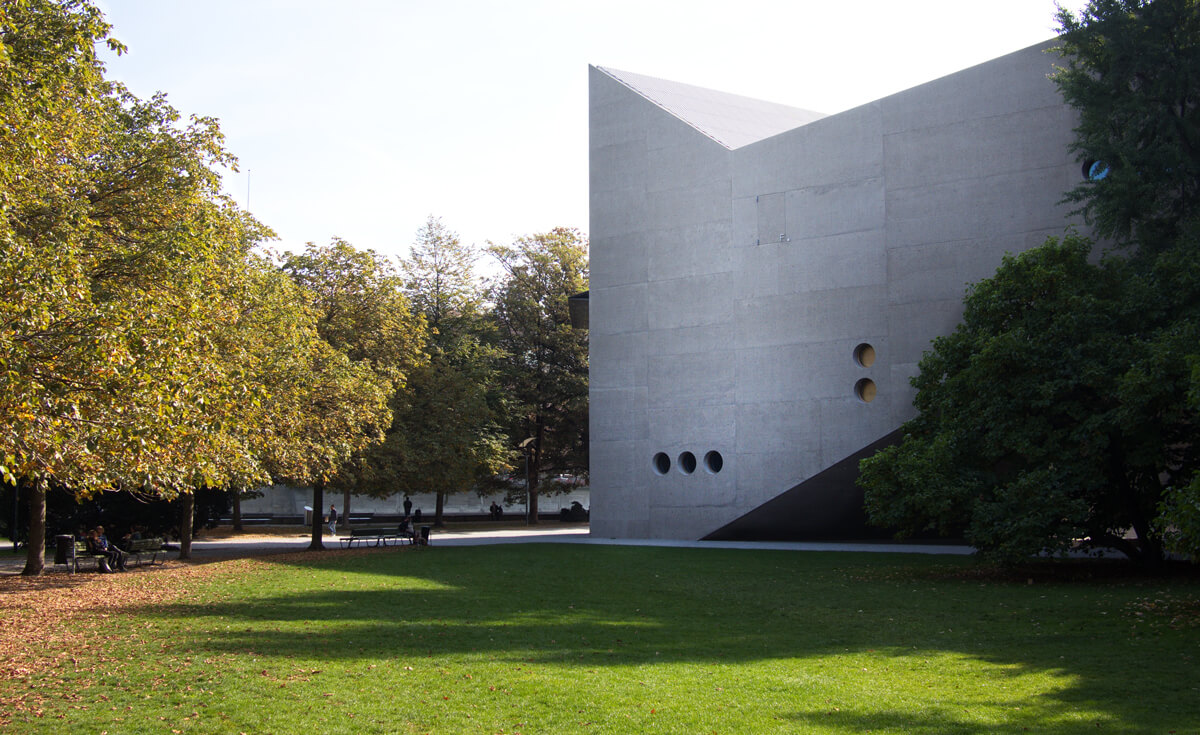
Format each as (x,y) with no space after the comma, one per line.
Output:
(729,119)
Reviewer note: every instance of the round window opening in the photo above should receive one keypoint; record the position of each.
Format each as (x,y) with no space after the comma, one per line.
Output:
(1095,170)
(713,462)
(687,463)
(864,355)
(662,463)
(865,390)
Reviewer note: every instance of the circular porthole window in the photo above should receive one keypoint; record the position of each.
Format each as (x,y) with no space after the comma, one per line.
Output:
(864,355)
(1095,170)
(662,463)
(865,390)
(687,463)
(713,462)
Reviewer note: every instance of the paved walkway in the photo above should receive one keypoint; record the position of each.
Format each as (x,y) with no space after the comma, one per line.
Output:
(252,544)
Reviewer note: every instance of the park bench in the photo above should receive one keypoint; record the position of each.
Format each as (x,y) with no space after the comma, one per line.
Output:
(76,553)
(72,552)
(381,536)
(139,549)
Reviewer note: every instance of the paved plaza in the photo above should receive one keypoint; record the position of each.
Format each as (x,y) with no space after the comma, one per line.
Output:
(261,544)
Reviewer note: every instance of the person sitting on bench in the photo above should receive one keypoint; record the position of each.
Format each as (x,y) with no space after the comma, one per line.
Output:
(98,543)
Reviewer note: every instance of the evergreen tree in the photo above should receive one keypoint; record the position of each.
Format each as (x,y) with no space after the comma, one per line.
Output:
(446,437)
(546,366)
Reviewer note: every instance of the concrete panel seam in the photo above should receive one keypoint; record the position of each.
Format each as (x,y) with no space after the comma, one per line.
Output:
(961,121)
(948,183)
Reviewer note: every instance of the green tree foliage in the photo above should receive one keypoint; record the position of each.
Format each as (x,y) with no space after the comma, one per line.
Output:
(1130,69)
(1132,75)
(134,319)
(361,305)
(1051,416)
(50,87)
(363,313)
(1056,415)
(305,406)
(1179,518)
(446,436)
(546,368)
(1179,511)
(113,235)
(439,279)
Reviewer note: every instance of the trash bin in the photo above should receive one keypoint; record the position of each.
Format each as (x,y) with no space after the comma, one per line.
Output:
(62,549)
(308,516)
(425,535)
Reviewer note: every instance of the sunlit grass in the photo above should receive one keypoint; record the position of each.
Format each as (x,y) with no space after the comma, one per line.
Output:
(554,639)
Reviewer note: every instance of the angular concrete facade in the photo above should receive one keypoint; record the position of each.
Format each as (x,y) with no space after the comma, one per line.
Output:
(743,254)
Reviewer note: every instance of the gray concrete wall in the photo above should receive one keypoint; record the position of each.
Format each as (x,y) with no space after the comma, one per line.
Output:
(285,500)
(730,288)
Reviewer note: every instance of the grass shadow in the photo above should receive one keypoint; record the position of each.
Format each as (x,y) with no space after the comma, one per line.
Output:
(589,607)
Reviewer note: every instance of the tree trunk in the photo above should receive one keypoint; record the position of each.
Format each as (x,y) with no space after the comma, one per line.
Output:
(440,506)
(345,517)
(318,503)
(535,471)
(237,510)
(186,521)
(531,509)
(1144,551)
(35,544)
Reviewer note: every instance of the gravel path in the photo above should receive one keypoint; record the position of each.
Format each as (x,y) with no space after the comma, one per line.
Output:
(251,544)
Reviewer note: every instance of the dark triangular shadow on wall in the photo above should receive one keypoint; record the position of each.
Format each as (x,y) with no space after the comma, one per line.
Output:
(826,506)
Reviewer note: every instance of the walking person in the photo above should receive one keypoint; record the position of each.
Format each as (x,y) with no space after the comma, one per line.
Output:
(332,521)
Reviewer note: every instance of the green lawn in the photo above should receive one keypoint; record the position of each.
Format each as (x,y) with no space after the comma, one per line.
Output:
(562,638)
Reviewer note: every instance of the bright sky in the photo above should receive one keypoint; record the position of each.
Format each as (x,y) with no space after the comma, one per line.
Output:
(359,118)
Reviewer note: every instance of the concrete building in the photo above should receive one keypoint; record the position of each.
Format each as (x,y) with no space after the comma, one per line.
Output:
(764,281)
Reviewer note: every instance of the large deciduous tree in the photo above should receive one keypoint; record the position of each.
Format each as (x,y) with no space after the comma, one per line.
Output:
(51,86)
(364,314)
(114,238)
(1057,414)
(546,369)
(1130,72)
(143,348)
(361,306)
(1052,417)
